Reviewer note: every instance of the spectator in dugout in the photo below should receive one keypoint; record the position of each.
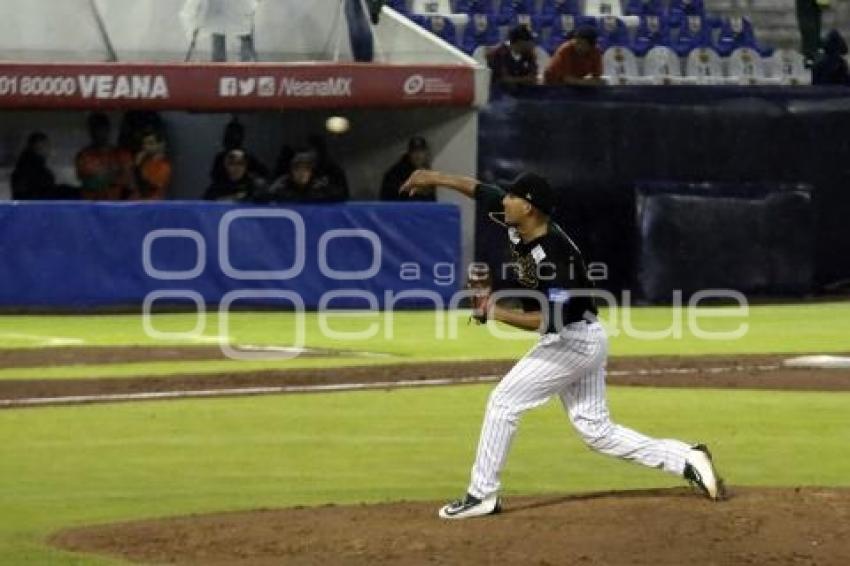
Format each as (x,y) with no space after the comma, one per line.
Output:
(152,168)
(32,179)
(577,62)
(417,156)
(514,61)
(325,164)
(240,185)
(303,184)
(234,138)
(105,171)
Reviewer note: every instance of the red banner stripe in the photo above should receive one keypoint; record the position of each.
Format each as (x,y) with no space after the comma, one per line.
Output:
(225,87)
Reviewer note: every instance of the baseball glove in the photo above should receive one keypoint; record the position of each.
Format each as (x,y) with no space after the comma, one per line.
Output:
(481,284)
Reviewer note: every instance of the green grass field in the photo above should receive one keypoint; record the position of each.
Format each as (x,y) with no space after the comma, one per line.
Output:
(67,466)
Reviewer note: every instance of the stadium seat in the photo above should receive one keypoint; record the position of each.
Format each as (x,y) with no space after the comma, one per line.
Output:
(693,34)
(530,21)
(543,59)
(480,55)
(563,28)
(509,9)
(738,32)
(552,9)
(398,5)
(746,66)
(652,30)
(475,7)
(662,66)
(788,66)
(644,8)
(439,26)
(678,10)
(431,7)
(612,33)
(704,66)
(482,29)
(599,8)
(620,66)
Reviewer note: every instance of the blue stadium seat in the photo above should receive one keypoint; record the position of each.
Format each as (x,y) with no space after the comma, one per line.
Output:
(738,32)
(694,32)
(398,5)
(482,29)
(551,9)
(510,9)
(439,26)
(644,8)
(475,7)
(651,31)
(531,21)
(678,9)
(563,28)
(612,33)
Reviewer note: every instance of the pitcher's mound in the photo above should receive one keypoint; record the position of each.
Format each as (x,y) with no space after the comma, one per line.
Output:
(804,526)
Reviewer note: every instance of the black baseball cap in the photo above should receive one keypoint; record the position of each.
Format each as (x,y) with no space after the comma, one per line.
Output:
(521,33)
(535,189)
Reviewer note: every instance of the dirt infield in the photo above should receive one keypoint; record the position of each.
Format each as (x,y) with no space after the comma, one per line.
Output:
(751,372)
(803,526)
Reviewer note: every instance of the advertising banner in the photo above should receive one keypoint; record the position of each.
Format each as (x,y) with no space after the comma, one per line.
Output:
(228,87)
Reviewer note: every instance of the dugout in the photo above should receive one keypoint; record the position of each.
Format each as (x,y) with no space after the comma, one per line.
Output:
(118,57)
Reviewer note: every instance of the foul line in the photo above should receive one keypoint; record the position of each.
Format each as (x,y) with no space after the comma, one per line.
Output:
(240,392)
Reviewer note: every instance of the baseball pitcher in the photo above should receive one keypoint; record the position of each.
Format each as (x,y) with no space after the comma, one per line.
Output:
(568,360)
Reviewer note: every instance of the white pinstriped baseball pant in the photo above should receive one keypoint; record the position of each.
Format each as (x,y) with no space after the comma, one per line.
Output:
(570,364)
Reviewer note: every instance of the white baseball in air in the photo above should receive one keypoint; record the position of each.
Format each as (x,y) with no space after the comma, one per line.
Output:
(337,124)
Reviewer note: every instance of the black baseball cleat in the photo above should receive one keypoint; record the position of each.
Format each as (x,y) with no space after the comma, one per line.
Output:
(700,472)
(471,506)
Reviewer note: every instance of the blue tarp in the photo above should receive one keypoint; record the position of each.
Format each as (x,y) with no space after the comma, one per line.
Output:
(72,254)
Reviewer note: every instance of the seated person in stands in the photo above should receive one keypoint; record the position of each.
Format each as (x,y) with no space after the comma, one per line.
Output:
(325,164)
(240,184)
(152,171)
(577,62)
(32,179)
(234,138)
(418,156)
(514,61)
(831,67)
(105,171)
(302,184)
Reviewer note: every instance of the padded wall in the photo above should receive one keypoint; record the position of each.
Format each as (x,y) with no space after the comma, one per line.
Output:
(74,254)
(597,144)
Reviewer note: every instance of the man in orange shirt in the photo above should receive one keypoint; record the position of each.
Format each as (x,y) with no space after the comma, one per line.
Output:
(152,168)
(576,62)
(104,171)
